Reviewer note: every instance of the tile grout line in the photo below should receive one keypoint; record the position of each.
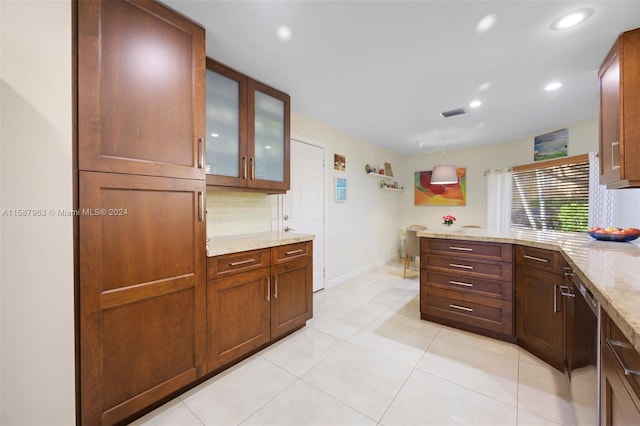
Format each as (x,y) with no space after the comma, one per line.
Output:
(407,379)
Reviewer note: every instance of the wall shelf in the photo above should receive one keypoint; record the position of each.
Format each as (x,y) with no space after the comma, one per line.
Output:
(385,177)
(380,176)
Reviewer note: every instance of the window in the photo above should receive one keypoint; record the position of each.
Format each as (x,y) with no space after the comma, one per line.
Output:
(553,195)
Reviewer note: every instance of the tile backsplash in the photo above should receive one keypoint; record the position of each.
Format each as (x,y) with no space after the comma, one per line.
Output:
(236,213)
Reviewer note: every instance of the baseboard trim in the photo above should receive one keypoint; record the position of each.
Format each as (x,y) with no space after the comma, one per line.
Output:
(345,277)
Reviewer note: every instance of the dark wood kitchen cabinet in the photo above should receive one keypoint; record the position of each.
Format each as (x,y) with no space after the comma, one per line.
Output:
(255,297)
(238,305)
(142,291)
(620,377)
(619,80)
(248,130)
(467,284)
(141,274)
(140,90)
(292,274)
(540,305)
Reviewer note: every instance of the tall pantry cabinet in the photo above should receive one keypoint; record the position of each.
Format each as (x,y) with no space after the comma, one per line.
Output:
(141,187)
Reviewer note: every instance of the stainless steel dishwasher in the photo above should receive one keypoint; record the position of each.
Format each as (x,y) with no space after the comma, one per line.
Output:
(582,337)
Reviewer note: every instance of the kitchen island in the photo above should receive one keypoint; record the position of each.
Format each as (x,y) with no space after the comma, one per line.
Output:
(610,270)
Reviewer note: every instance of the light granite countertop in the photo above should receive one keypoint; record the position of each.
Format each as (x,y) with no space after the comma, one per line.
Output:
(236,243)
(610,270)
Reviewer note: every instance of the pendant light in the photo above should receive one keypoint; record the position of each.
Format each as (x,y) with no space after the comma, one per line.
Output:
(442,174)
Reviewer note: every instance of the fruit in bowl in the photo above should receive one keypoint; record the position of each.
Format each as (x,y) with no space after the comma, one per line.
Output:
(614,234)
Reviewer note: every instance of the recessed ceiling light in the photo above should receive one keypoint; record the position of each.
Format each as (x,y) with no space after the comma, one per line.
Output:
(553,86)
(475,104)
(267,147)
(284,33)
(214,135)
(486,23)
(484,86)
(571,19)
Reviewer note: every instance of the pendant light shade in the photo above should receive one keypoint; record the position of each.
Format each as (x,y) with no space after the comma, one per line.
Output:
(444,174)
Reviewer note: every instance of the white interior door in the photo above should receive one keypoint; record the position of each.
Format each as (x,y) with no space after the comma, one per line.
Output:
(303,205)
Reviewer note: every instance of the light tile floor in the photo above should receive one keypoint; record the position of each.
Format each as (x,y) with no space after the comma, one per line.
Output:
(366,358)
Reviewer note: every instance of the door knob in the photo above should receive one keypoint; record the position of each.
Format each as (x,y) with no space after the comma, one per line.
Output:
(287,229)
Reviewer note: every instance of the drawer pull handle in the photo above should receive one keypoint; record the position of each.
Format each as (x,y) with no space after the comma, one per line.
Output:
(616,343)
(461,283)
(242,262)
(289,253)
(455,265)
(462,308)
(567,291)
(460,248)
(537,259)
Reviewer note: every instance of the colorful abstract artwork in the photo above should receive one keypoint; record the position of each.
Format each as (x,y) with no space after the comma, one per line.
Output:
(426,194)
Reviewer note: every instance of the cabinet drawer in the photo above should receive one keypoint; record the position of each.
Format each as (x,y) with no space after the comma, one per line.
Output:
(547,260)
(472,249)
(622,351)
(463,284)
(476,311)
(229,264)
(289,252)
(468,267)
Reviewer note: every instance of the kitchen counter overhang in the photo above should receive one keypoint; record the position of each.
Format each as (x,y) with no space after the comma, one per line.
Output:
(237,243)
(610,270)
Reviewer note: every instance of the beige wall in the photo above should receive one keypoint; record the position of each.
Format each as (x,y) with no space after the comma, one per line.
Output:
(363,231)
(583,137)
(37,372)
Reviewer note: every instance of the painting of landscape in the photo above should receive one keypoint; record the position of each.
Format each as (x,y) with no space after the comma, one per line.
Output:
(550,145)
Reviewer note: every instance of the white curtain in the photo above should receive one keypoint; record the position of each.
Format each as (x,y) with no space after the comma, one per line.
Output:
(499,183)
(602,202)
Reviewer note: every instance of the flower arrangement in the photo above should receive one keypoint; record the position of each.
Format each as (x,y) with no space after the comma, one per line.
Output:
(448,220)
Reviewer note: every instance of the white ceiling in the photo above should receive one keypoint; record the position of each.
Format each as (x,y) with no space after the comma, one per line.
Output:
(383,70)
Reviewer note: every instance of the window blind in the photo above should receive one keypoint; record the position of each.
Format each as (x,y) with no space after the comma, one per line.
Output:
(553,195)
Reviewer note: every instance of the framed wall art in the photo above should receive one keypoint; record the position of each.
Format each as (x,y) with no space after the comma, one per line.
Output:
(341,189)
(427,194)
(551,145)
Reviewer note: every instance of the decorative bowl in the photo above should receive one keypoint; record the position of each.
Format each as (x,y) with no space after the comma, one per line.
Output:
(621,237)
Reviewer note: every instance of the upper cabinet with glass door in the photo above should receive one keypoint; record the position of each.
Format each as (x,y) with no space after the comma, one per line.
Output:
(247,133)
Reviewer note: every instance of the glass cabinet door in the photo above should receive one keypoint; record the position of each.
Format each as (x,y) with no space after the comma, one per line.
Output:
(269,153)
(226,157)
